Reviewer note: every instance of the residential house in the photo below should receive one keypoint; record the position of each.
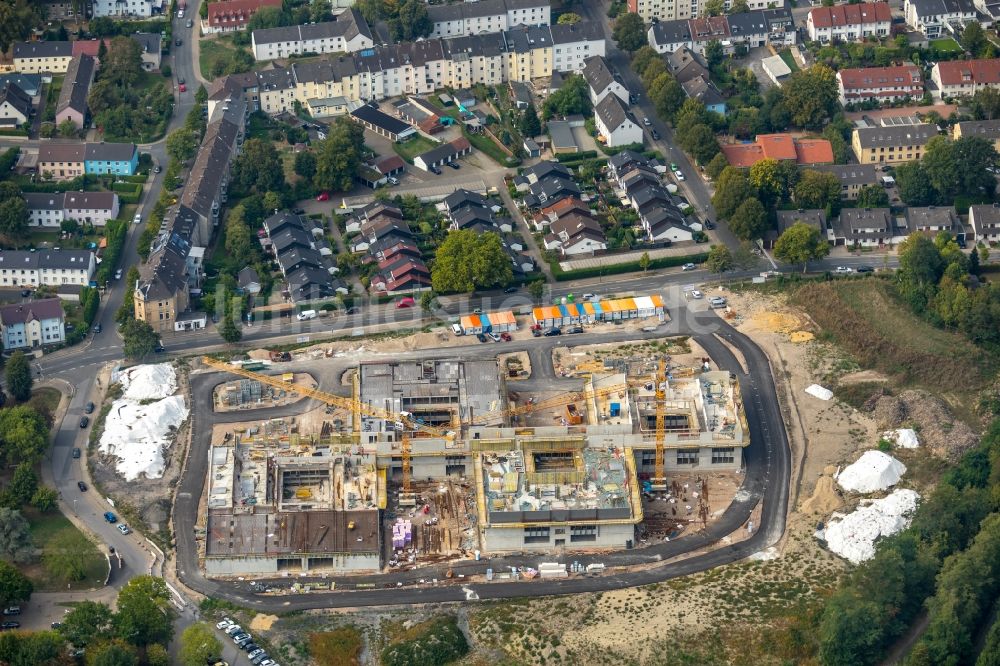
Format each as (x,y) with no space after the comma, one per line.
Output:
(685,65)
(574,44)
(804,152)
(880,84)
(659,213)
(163,293)
(815,218)
(985,222)
(669,36)
(72,103)
(549,190)
(615,124)
(891,145)
(49,210)
(601,81)
(849,23)
(21,268)
(248,281)
(119,159)
(661,11)
(750,29)
(382,123)
(346,33)
(485,16)
(304,257)
(937,17)
(709,29)
(984,129)
(42,57)
(31,325)
(852,177)
(30,84)
(443,154)
(16,107)
(233,15)
(128,8)
(621,164)
(575,234)
(931,220)
(703,90)
(151,44)
(865,227)
(962,78)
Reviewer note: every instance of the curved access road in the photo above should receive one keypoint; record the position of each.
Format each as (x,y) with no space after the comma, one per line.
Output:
(767,470)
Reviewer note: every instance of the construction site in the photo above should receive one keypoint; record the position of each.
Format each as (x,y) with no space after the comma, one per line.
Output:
(434,460)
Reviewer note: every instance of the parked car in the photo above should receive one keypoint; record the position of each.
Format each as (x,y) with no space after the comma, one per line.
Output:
(181,87)
(118,274)
(157,169)
(234,629)
(123,528)
(76,452)
(405,302)
(866,269)
(574,330)
(178,42)
(679,176)
(552,331)
(137,219)
(481,337)
(647,122)
(695,294)
(97,328)
(510,290)
(656,135)
(494,337)
(323,196)
(12,610)
(89,408)
(709,225)
(688,267)
(190,23)
(392,180)
(225,623)
(717,302)
(843,270)
(110,517)
(436,171)
(536,332)
(82,486)
(453,164)
(260,658)
(84,421)
(506,337)
(254,652)
(25,293)
(250,646)
(10,624)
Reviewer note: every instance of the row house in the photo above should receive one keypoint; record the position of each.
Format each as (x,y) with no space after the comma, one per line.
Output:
(653,11)
(129,8)
(304,257)
(42,57)
(392,246)
(54,268)
(347,33)
(72,104)
(575,233)
(880,84)
(985,221)
(962,78)
(639,183)
(891,145)
(51,209)
(937,17)
(758,27)
(484,16)
(233,15)
(848,23)
(65,161)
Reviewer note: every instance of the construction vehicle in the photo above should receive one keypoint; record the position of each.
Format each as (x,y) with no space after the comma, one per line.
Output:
(404,422)
(280,357)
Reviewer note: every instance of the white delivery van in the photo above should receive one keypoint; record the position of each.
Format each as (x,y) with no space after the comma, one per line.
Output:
(457,329)
(307,314)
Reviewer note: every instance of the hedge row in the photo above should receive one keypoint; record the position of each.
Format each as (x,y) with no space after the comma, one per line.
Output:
(627,267)
(571,157)
(126,187)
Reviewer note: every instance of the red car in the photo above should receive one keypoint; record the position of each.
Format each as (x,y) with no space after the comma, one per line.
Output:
(182,88)
(323,196)
(505,337)
(405,302)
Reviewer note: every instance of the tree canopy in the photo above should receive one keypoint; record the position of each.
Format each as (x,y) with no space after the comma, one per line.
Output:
(338,157)
(258,167)
(629,32)
(15,537)
(17,18)
(872,196)
(811,95)
(749,222)
(817,189)
(720,259)
(573,96)
(801,243)
(467,261)
(144,614)
(411,22)
(731,189)
(17,374)
(140,339)
(15,587)
(198,645)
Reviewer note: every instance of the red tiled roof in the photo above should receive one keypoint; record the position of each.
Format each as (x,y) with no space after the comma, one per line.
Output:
(461,143)
(982,72)
(842,15)
(88,46)
(866,78)
(565,205)
(236,12)
(390,164)
(706,29)
(779,147)
(813,151)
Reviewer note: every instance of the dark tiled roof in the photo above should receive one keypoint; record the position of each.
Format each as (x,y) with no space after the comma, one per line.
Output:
(20,313)
(76,85)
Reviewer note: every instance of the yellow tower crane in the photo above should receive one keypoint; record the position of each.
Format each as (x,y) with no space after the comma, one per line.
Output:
(659,480)
(404,422)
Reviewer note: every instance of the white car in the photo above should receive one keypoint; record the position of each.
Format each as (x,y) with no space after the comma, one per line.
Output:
(679,176)
(224,624)
(647,122)
(688,267)
(695,294)
(123,528)
(843,269)
(137,219)
(717,302)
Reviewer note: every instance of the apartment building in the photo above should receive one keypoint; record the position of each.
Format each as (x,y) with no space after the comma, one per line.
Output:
(50,209)
(984,129)
(484,16)
(852,177)
(962,78)
(985,221)
(129,8)
(21,268)
(849,22)
(32,325)
(880,84)
(42,57)
(937,17)
(664,10)
(347,33)
(752,29)
(233,15)
(573,44)
(891,145)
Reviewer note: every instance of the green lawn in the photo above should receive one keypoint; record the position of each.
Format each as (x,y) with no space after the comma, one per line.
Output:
(786,55)
(211,50)
(413,147)
(485,144)
(945,45)
(45,400)
(52,98)
(45,527)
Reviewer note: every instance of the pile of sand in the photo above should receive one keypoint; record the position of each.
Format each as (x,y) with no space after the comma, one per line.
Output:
(801,336)
(824,498)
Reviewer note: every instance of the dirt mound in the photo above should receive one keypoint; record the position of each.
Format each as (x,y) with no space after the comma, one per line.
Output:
(929,416)
(824,498)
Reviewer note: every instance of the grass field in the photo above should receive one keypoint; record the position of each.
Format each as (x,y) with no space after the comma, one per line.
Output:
(340,647)
(786,55)
(945,45)
(212,50)
(413,147)
(866,318)
(49,527)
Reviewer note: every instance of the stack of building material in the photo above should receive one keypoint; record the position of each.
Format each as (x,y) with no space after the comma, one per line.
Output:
(552,570)
(402,534)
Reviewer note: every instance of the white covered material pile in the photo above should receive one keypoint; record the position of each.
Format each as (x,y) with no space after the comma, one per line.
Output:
(873,471)
(135,433)
(853,536)
(904,438)
(149,382)
(818,391)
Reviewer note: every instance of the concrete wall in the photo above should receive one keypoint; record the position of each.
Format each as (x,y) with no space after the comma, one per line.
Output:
(342,563)
(704,463)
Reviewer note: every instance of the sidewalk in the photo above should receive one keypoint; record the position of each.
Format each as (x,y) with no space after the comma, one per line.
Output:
(624,258)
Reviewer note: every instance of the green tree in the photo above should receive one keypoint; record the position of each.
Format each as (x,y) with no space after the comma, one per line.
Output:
(412,22)
(731,189)
(749,222)
(713,8)
(426,300)
(467,261)
(667,95)
(720,259)
(985,104)
(17,18)
(258,167)
(201,96)
(528,124)
(573,96)
(144,614)
(768,180)
(62,556)
(975,159)
(68,129)
(28,648)
(15,537)
(643,58)
(113,653)
(182,145)
(841,151)
(338,157)
(569,18)
(24,433)
(23,484)
(305,164)
(157,655)
(272,201)
(319,11)
(45,499)
(14,218)
(692,113)
(817,189)
(716,166)
(739,7)
(920,269)
(239,240)
(198,645)
(810,96)
(801,243)
(714,54)
(940,164)
(536,289)
(645,261)
(629,32)
(123,64)
(86,623)
(229,331)
(15,587)
(140,339)
(872,196)
(18,376)
(266,17)
(700,141)
(914,184)
(974,39)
